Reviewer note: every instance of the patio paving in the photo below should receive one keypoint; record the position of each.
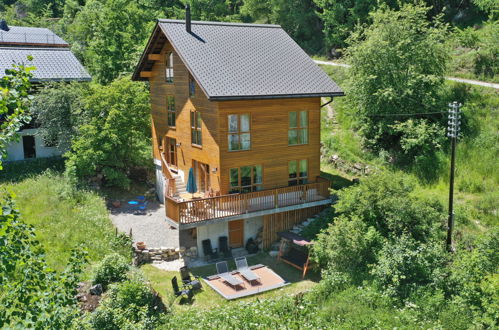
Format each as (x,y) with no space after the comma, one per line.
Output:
(150,227)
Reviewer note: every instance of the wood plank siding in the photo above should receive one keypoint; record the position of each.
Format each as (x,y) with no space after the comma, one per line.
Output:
(269,139)
(274,223)
(208,153)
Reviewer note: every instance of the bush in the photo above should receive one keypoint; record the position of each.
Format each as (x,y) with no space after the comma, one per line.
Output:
(113,268)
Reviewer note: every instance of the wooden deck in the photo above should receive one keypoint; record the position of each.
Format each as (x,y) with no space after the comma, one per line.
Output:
(196,210)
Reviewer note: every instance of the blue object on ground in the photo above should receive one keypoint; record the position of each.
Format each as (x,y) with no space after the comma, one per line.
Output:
(191,182)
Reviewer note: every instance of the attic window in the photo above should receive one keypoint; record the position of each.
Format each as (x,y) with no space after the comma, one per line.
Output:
(169,68)
(192,86)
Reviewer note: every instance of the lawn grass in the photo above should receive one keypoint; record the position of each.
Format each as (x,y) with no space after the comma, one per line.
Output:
(64,218)
(208,298)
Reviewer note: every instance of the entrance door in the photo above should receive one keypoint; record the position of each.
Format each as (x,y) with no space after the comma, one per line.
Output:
(202,173)
(29,146)
(171,152)
(236,233)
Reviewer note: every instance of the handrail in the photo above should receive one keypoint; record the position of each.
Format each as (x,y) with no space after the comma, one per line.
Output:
(170,188)
(197,210)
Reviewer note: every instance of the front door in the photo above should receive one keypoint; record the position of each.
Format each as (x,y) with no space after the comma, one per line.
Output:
(171,156)
(202,173)
(236,233)
(29,146)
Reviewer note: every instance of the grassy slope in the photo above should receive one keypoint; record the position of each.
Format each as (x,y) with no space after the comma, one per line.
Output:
(477,173)
(63,219)
(208,298)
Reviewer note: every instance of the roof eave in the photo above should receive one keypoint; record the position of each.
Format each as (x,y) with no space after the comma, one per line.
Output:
(280,96)
(86,79)
(136,73)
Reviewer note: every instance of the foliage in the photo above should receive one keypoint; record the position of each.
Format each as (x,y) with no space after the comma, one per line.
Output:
(398,66)
(130,304)
(14,103)
(314,228)
(65,218)
(113,268)
(33,295)
(116,137)
(57,110)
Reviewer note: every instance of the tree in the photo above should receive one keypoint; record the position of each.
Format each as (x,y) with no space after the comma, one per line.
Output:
(14,104)
(398,66)
(57,109)
(116,137)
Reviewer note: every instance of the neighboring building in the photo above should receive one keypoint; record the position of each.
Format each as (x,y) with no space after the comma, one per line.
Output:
(53,61)
(240,105)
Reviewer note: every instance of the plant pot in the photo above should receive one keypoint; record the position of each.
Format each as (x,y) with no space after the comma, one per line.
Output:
(116,204)
(141,245)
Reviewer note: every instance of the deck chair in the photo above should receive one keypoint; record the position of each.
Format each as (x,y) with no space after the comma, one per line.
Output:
(223,272)
(187,280)
(223,246)
(208,251)
(243,269)
(184,292)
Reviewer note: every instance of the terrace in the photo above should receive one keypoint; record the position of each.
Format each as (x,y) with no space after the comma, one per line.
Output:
(189,213)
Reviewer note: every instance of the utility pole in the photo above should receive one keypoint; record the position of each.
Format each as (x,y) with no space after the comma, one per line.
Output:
(454,124)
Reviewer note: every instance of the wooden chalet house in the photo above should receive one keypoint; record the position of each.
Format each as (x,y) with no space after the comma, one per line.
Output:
(53,61)
(240,105)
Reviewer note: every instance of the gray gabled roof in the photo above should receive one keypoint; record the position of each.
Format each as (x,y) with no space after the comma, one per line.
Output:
(242,61)
(52,64)
(20,35)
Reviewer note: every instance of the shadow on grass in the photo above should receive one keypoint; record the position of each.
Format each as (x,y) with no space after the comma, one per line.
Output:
(20,170)
(338,181)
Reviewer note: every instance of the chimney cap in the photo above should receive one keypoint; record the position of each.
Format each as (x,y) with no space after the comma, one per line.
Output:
(3,25)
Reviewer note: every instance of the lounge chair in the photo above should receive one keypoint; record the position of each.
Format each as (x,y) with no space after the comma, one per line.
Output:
(223,272)
(208,250)
(186,279)
(223,247)
(184,292)
(245,271)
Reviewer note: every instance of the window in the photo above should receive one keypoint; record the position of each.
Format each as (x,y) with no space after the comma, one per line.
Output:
(171,111)
(298,172)
(246,179)
(169,68)
(298,128)
(196,128)
(239,132)
(192,86)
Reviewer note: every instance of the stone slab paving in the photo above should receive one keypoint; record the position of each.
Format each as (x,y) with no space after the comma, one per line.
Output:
(150,227)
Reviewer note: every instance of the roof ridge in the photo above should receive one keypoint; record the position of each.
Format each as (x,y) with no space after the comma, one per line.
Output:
(178,21)
(34,48)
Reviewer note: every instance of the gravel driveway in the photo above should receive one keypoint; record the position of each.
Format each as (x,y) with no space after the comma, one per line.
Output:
(150,228)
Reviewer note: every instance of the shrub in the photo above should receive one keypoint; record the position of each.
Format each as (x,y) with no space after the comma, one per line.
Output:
(113,268)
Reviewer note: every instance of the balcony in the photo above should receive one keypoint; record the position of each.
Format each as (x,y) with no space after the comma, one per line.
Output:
(191,213)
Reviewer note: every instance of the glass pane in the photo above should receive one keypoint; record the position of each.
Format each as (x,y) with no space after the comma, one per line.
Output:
(192,119)
(199,119)
(292,137)
(234,179)
(303,119)
(303,168)
(304,136)
(193,136)
(245,141)
(246,176)
(233,123)
(257,174)
(246,189)
(292,169)
(292,183)
(233,142)
(199,142)
(245,123)
(292,119)
(258,188)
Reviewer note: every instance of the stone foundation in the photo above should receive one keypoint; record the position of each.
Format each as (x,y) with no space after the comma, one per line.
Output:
(164,254)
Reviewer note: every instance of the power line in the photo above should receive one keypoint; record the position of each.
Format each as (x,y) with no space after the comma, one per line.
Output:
(406,114)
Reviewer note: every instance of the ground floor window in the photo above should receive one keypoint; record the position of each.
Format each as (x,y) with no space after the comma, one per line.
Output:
(246,179)
(298,172)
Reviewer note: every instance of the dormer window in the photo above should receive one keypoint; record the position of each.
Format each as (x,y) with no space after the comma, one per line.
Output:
(169,68)
(192,86)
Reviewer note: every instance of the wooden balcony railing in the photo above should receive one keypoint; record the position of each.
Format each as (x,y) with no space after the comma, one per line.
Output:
(186,212)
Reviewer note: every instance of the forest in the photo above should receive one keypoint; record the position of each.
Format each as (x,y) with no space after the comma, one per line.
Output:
(380,250)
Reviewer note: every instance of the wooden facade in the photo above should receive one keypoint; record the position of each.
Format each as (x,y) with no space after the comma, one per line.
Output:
(269,124)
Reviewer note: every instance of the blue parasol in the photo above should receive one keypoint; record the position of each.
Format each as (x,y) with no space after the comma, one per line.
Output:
(191,182)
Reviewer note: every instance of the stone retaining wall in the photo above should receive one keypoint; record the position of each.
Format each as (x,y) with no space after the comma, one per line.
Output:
(152,255)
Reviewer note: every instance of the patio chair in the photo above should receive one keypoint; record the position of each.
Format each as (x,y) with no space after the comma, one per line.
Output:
(208,250)
(243,269)
(184,292)
(223,246)
(186,279)
(223,272)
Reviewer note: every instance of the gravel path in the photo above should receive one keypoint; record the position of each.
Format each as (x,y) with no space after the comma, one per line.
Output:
(150,228)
